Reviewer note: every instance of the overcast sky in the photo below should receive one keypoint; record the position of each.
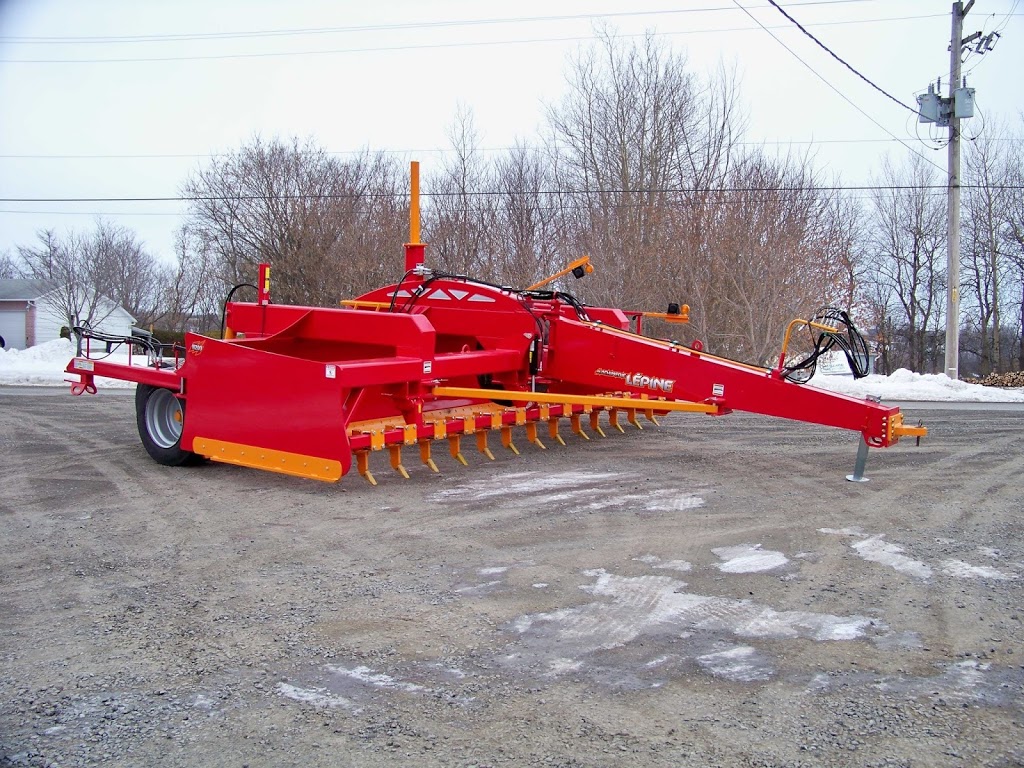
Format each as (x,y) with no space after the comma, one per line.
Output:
(125,98)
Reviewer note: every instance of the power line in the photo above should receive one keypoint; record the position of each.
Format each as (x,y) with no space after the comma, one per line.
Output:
(835,56)
(996,32)
(412,151)
(478,209)
(1002,25)
(93,213)
(192,36)
(561,206)
(842,95)
(501,193)
(427,46)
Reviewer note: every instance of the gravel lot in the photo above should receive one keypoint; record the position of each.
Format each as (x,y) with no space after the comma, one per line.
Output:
(710,592)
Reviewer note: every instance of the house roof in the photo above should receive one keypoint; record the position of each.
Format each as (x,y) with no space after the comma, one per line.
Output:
(34,290)
(24,290)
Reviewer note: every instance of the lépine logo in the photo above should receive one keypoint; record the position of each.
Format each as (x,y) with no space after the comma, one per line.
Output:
(649,382)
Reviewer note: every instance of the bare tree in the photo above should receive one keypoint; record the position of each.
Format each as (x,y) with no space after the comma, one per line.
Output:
(526,229)
(842,243)
(83,270)
(460,211)
(775,250)
(8,267)
(48,260)
(876,298)
(1012,231)
(907,250)
(621,136)
(191,290)
(324,224)
(982,259)
(650,181)
(125,271)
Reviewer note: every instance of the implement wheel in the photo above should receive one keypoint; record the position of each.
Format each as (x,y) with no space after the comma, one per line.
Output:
(161,417)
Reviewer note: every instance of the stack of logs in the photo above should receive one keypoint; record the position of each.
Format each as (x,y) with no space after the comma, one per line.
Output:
(1009,379)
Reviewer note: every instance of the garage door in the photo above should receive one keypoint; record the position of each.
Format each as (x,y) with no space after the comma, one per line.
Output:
(12,328)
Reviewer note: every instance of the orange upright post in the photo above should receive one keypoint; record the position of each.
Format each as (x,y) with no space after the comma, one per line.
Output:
(414,248)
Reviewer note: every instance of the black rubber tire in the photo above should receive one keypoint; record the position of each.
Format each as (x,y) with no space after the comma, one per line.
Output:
(160,417)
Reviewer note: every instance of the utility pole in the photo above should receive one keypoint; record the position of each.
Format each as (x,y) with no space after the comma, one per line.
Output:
(932,108)
(953,199)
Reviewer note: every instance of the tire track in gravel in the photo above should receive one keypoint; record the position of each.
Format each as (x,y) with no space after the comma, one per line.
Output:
(127,588)
(976,471)
(86,452)
(981,468)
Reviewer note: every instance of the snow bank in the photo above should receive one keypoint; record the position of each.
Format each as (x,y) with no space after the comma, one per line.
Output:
(43,365)
(907,385)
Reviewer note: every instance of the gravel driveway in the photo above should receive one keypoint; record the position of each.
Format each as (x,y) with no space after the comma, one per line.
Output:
(710,592)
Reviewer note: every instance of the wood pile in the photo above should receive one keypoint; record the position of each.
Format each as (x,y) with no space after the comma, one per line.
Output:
(1008,379)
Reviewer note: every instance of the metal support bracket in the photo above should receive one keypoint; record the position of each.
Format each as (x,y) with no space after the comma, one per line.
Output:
(858,467)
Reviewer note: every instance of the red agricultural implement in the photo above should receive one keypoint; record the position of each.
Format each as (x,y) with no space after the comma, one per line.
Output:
(438,357)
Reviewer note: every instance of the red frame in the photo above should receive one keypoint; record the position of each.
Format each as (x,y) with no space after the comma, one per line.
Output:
(302,380)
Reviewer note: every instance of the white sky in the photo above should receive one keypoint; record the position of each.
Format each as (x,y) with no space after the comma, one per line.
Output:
(136,124)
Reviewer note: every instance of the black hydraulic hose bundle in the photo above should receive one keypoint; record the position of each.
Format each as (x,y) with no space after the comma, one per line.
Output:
(846,337)
(227,299)
(420,289)
(153,347)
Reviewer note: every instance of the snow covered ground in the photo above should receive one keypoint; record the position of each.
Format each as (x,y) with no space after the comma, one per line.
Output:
(906,385)
(43,366)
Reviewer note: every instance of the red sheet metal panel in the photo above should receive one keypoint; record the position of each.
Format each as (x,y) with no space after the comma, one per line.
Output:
(587,357)
(241,395)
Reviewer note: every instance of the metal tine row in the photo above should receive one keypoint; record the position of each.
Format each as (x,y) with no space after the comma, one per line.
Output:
(455,440)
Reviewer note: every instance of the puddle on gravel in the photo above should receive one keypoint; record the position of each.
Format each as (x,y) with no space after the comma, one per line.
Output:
(740,663)
(571,492)
(962,570)
(318,697)
(367,676)
(486,580)
(749,559)
(637,619)
(672,565)
(962,682)
(353,687)
(641,632)
(874,548)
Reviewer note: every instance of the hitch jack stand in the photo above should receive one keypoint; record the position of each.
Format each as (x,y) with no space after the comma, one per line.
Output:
(858,467)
